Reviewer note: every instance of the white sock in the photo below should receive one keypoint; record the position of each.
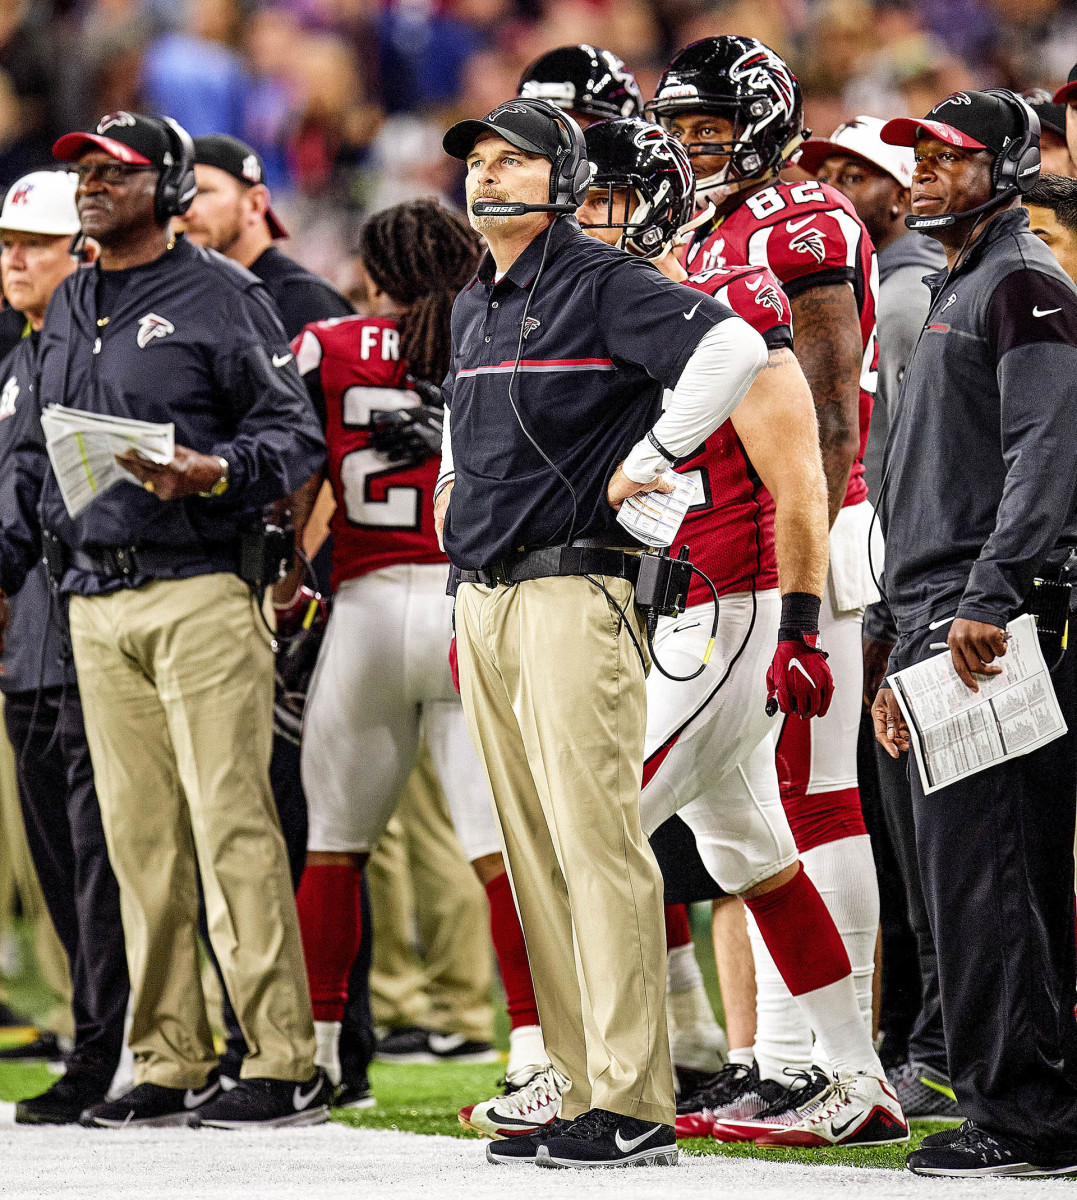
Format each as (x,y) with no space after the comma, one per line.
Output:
(745,1055)
(327,1049)
(682,969)
(843,872)
(526,1049)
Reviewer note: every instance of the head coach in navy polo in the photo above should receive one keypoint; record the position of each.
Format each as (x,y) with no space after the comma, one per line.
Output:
(562,347)
(977,505)
(175,667)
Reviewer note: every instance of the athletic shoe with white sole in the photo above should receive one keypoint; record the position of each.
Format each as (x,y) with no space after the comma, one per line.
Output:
(736,1123)
(410,1045)
(924,1093)
(695,1114)
(151,1105)
(600,1138)
(353,1095)
(532,1098)
(269,1104)
(855,1110)
(523,1149)
(455,1047)
(974,1152)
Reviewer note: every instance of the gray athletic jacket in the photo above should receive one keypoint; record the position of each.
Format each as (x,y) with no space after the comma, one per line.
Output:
(982,456)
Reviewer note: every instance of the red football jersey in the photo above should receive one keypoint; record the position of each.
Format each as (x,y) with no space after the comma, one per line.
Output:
(384,514)
(731,530)
(806,233)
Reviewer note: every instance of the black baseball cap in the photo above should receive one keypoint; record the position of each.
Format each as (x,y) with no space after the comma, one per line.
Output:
(1068,91)
(129,137)
(970,120)
(1052,116)
(239,160)
(528,125)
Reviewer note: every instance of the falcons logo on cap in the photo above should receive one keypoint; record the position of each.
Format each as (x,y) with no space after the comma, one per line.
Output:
(123,119)
(21,195)
(810,242)
(152,326)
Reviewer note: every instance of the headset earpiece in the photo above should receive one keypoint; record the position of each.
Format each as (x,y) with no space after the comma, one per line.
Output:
(176,184)
(1017,167)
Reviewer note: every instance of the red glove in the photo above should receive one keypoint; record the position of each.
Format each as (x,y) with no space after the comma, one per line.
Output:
(304,609)
(798,679)
(454,665)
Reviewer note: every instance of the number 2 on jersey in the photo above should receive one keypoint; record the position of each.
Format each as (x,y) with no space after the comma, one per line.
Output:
(359,469)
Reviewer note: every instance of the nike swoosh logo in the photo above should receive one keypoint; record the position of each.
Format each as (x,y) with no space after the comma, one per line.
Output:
(194,1099)
(627,1145)
(1044,312)
(690,314)
(944,621)
(793,226)
(280,359)
(840,1129)
(796,664)
(299,1100)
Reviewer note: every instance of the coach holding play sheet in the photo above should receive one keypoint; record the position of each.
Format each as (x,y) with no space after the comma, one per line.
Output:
(978,501)
(561,349)
(174,666)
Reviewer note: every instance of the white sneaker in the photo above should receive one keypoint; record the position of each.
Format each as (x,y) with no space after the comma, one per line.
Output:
(855,1110)
(532,1099)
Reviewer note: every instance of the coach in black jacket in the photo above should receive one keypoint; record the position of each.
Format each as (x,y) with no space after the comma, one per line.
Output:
(978,501)
(175,668)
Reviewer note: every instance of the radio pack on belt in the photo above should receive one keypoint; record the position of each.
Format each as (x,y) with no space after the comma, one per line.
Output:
(266,553)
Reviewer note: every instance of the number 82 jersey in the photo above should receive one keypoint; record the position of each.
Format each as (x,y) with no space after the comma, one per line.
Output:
(384,515)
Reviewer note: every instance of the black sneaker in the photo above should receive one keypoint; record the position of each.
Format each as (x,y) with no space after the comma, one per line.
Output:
(924,1093)
(943,1138)
(695,1114)
(64,1102)
(411,1045)
(454,1047)
(269,1104)
(355,1094)
(45,1045)
(974,1152)
(524,1148)
(150,1104)
(606,1139)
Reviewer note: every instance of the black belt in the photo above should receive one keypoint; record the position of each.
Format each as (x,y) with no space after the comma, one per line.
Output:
(552,561)
(122,562)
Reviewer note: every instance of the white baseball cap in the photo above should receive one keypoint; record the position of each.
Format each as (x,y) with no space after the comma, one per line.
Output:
(42,202)
(861,137)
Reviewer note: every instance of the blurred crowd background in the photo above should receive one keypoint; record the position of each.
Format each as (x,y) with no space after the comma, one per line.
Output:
(346,100)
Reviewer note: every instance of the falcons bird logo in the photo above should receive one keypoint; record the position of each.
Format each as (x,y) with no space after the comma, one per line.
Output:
(152,326)
(767,295)
(810,242)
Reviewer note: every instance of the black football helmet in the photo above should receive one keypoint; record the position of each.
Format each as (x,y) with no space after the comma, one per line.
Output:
(745,81)
(583,79)
(642,158)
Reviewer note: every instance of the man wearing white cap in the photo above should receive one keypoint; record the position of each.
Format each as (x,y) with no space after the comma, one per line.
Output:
(876,178)
(41,701)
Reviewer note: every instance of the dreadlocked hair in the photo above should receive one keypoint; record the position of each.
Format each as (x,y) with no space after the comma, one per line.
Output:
(421,255)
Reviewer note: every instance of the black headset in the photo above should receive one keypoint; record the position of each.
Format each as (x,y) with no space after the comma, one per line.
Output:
(1014,171)
(176,184)
(570,175)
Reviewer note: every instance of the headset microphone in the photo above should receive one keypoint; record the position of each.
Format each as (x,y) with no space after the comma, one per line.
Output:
(945,220)
(498,208)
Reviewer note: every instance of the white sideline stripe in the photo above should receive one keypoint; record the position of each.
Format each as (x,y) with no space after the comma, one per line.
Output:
(332,1162)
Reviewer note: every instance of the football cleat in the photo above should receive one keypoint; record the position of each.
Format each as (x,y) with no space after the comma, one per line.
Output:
(973,1152)
(771,1103)
(531,1100)
(855,1110)
(924,1093)
(695,1114)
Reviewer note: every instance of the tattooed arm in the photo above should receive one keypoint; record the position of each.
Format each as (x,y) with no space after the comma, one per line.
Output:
(826,331)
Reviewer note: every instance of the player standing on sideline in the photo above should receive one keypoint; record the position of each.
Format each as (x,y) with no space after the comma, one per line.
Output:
(383,672)
(42,710)
(761,522)
(588,83)
(561,350)
(736,107)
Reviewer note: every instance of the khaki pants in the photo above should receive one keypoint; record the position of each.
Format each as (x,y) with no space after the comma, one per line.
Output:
(176,680)
(422,884)
(555,699)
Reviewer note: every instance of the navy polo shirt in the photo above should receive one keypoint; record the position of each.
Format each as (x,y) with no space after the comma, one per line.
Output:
(606,333)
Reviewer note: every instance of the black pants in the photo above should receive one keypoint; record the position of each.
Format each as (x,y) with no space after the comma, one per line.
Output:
(996,860)
(67,843)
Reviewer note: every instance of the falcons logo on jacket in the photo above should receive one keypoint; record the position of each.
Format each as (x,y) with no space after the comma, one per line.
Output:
(152,326)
